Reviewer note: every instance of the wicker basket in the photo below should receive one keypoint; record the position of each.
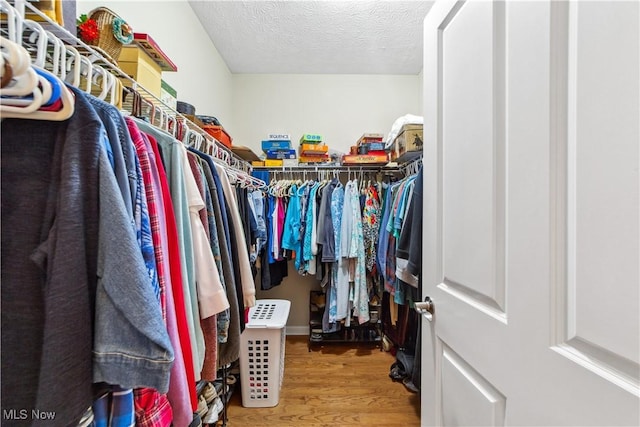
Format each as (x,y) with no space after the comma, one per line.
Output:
(107,41)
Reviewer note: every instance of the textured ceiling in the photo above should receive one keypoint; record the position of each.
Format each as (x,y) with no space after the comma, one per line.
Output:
(317,37)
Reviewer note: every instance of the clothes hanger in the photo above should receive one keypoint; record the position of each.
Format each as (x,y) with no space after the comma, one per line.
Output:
(24,79)
(16,54)
(28,91)
(49,85)
(187,137)
(40,35)
(86,69)
(23,105)
(75,60)
(13,20)
(6,72)
(46,86)
(108,81)
(21,84)
(116,91)
(68,107)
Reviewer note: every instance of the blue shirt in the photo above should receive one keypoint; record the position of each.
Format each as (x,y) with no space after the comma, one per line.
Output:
(291,233)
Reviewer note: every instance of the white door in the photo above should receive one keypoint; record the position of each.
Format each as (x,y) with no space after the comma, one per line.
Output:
(531,200)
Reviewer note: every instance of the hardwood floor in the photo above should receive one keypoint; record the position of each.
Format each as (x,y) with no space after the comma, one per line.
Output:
(333,385)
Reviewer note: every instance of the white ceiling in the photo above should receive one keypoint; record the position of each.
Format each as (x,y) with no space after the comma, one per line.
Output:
(316,37)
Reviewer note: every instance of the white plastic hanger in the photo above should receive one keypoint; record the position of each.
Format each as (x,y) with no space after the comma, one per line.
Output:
(88,66)
(42,38)
(76,61)
(22,105)
(24,79)
(68,107)
(17,56)
(105,83)
(22,84)
(13,20)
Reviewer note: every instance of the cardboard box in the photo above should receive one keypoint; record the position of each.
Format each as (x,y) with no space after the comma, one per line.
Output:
(311,138)
(370,137)
(314,159)
(139,66)
(276,145)
(373,146)
(273,163)
(149,45)
(168,95)
(408,144)
(311,149)
(245,153)
(365,159)
(281,154)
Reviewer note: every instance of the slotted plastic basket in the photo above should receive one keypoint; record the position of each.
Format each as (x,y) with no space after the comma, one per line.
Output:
(262,346)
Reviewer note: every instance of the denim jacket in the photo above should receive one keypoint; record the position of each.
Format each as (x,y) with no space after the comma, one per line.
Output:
(123,150)
(131,343)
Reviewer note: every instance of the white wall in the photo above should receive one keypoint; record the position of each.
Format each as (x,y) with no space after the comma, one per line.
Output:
(203,79)
(339,107)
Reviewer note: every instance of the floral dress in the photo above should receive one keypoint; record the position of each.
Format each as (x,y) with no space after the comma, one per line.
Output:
(371,226)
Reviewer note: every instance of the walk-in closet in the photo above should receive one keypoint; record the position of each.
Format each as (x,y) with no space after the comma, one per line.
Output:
(320,213)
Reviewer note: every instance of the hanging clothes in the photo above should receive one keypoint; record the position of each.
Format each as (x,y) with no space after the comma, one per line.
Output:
(354,247)
(171,152)
(152,191)
(177,387)
(228,321)
(371,225)
(248,287)
(79,229)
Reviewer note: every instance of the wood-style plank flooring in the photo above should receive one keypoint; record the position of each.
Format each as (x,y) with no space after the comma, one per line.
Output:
(339,385)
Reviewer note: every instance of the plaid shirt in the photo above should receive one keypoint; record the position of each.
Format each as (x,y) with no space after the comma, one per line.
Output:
(152,207)
(152,408)
(114,409)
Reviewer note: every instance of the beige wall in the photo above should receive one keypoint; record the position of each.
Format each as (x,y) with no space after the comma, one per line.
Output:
(339,107)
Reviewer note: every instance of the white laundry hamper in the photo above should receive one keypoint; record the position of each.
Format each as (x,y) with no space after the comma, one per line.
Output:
(262,353)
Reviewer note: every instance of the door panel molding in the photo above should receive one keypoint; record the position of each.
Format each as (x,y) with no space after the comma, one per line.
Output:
(581,343)
(463,386)
(483,290)
(475,299)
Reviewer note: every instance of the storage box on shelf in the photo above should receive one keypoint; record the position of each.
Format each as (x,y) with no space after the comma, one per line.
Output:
(139,66)
(365,159)
(168,95)
(273,144)
(282,154)
(144,61)
(245,153)
(408,144)
(220,134)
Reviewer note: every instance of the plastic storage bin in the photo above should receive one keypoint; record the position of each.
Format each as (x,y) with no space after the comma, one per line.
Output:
(262,353)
